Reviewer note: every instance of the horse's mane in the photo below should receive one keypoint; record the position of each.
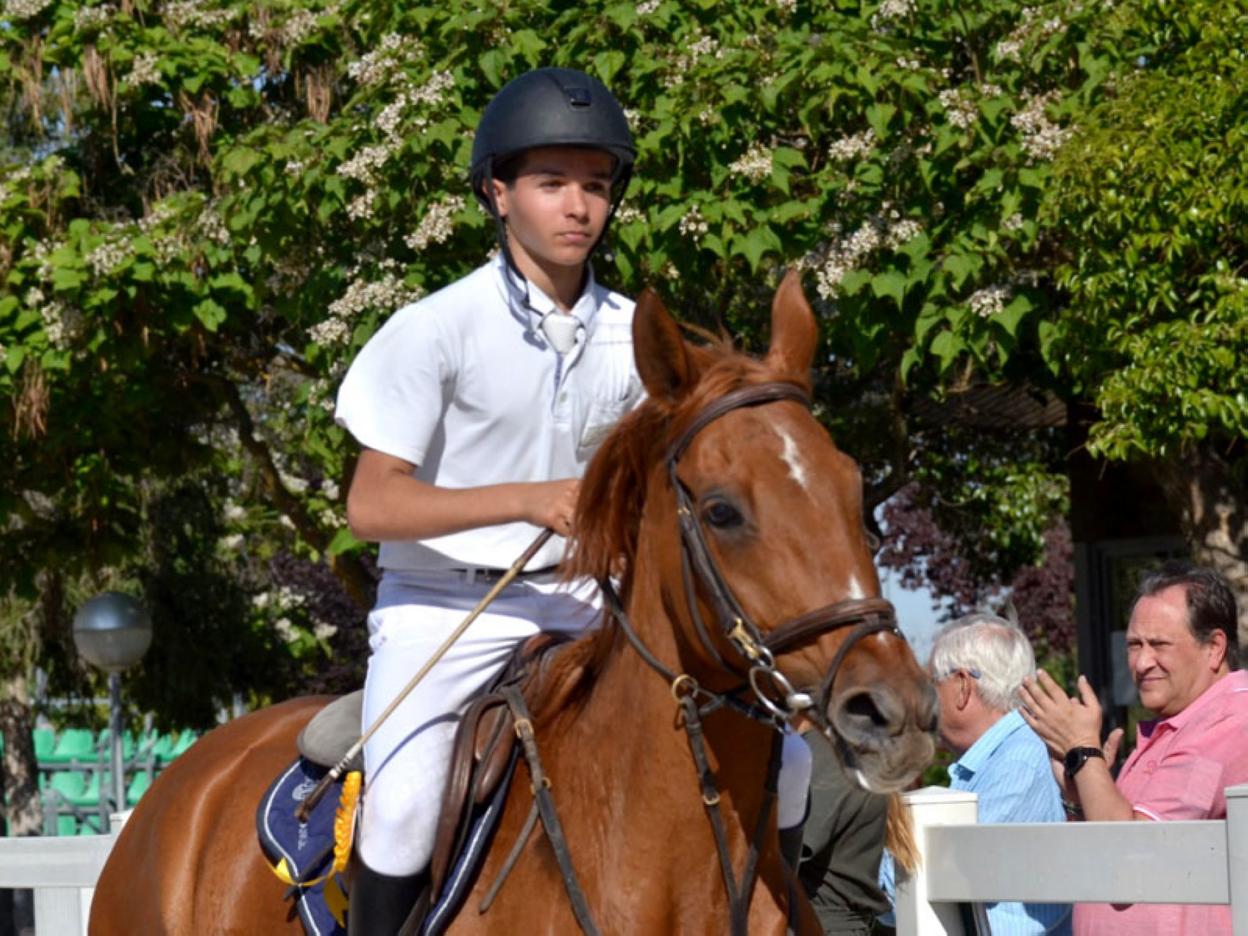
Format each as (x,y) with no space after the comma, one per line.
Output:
(613,491)
(612,498)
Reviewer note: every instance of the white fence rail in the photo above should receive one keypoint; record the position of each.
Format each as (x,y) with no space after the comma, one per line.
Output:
(1115,862)
(62,871)
(1118,862)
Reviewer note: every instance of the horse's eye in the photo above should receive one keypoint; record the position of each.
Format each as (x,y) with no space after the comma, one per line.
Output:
(722,515)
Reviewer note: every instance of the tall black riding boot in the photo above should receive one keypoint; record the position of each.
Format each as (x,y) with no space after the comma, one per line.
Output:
(379,904)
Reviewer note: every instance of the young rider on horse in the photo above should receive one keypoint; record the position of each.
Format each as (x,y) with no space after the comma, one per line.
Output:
(478,409)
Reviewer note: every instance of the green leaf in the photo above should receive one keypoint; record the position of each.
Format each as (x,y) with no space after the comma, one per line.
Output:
(240,160)
(1009,317)
(342,542)
(891,283)
(210,314)
(755,243)
(947,346)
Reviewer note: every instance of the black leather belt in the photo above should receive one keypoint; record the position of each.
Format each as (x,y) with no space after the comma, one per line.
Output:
(490,576)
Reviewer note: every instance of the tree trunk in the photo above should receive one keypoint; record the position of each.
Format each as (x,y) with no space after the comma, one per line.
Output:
(1206,490)
(23,813)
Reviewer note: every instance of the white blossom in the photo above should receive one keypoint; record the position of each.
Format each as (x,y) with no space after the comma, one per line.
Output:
(24,9)
(92,18)
(989,301)
(889,11)
(383,63)
(693,225)
(233,542)
(1013,223)
(852,147)
(293,167)
(786,7)
(627,214)
(433,91)
(143,71)
(962,112)
(191,13)
(363,166)
(437,225)
(299,26)
(386,294)
(212,227)
(107,256)
(648,7)
(1041,138)
(361,208)
(324,630)
(332,331)
(1010,49)
(755,165)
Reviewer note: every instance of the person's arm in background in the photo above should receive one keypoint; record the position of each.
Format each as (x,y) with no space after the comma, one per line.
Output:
(1064,723)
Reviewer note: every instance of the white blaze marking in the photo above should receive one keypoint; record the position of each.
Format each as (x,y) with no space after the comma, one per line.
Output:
(797,471)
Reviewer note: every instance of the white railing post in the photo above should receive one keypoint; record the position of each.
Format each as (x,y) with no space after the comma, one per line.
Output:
(916,915)
(1237,856)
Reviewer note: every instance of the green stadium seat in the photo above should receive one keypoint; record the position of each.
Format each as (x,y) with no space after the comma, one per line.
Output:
(45,743)
(74,745)
(138,786)
(66,825)
(77,787)
(185,739)
(128,745)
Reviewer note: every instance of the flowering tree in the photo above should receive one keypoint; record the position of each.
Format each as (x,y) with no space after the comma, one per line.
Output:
(1150,201)
(210,205)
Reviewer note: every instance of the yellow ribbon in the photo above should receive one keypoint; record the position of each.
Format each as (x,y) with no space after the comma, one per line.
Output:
(344,834)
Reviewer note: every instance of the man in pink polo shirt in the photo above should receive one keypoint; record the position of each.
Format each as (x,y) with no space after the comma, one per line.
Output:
(1182,647)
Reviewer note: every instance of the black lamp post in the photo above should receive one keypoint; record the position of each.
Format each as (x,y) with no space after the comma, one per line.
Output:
(112,631)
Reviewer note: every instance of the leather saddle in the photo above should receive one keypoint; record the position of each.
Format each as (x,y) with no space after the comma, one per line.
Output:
(482,753)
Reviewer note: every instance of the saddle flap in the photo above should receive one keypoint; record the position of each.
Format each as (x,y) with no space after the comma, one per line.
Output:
(326,739)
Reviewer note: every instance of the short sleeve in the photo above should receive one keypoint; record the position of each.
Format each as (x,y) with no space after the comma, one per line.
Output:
(396,390)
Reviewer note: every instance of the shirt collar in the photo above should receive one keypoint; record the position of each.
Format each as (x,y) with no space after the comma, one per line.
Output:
(978,753)
(511,285)
(1234,681)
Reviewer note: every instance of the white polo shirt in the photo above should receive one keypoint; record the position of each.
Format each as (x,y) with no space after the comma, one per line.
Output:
(465,385)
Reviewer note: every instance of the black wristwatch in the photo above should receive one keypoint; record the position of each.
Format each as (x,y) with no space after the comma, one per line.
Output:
(1076,757)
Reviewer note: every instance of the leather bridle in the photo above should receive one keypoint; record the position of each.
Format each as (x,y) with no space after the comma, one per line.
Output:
(756,649)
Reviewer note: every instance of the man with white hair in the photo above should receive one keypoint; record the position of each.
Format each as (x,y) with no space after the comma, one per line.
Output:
(978,664)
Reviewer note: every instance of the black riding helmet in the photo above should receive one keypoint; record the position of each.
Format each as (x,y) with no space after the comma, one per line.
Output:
(550,107)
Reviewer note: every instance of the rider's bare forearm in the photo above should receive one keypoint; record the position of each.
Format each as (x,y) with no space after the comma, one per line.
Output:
(387,503)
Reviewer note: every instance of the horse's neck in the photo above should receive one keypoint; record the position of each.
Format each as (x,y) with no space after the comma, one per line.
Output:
(631,722)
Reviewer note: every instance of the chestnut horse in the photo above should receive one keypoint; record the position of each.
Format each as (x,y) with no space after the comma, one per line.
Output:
(734,528)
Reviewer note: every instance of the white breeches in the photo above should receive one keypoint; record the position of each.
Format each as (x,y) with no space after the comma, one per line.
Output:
(407,761)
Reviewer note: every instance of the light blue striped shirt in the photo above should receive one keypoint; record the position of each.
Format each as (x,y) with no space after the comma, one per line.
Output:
(1008,767)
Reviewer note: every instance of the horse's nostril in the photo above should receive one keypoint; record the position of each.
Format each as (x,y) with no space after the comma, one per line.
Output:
(862,706)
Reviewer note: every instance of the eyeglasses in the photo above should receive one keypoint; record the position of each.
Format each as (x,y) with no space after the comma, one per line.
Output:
(973,673)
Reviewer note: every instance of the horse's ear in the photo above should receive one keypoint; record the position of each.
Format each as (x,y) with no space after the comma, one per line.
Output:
(794,331)
(663,360)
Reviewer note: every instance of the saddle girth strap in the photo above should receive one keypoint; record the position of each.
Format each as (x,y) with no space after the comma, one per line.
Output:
(544,802)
